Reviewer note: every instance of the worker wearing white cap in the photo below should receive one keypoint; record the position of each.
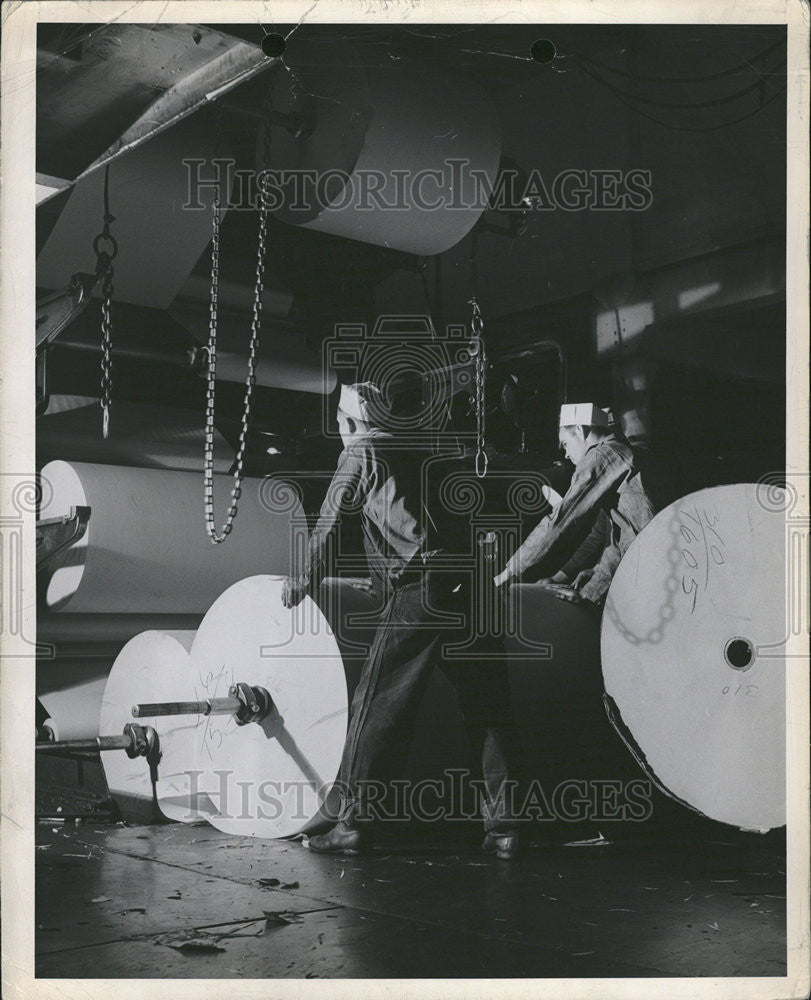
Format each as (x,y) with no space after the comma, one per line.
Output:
(412,546)
(606,506)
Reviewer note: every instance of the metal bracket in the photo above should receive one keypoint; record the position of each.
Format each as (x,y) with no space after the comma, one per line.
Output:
(56,311)
(135,741)
(57,533)
(255,703)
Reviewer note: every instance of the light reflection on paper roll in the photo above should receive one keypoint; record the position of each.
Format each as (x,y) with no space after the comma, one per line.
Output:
(693,652)
(153,666)
(146,548)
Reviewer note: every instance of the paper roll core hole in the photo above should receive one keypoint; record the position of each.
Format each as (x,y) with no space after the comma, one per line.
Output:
(739,653)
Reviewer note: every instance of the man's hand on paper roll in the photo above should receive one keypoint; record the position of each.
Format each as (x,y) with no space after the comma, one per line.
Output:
(565,594)
(292,593)
(582,578)
(561,587)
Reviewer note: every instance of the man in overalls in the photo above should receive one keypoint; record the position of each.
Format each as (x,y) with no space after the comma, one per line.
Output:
(609,501)
(413,550)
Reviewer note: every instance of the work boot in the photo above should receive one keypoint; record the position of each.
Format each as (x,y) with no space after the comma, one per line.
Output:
(503,845)
(341,839)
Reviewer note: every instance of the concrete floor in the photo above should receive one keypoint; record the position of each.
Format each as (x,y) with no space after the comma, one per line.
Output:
(176,901)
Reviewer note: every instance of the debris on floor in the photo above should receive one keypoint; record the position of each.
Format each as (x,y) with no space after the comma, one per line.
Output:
(280,918)
(598,841)
(618,913)
(196,944)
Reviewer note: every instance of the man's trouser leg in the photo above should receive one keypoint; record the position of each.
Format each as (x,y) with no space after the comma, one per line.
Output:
(385,704)
(482,685)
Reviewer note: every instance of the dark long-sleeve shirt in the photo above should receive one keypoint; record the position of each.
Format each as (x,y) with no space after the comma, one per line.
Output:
(608,501)
(387,484)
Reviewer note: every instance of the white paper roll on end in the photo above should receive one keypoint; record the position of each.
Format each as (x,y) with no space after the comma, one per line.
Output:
(273,777)
(152,667)
(693,653)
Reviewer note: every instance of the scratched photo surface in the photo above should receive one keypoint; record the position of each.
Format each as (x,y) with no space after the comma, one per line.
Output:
(480,228)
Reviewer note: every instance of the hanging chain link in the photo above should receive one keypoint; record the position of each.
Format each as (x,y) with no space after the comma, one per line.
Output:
(256,322)
(104,270)
(480,384)
(106,342)
(479,356)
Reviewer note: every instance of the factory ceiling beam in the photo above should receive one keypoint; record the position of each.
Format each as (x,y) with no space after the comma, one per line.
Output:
(126,83)
(237,64)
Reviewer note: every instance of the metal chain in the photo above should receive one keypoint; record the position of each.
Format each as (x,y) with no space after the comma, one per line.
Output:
(479,356)
(106,342)
(480,384)
(104,270)
(256,321)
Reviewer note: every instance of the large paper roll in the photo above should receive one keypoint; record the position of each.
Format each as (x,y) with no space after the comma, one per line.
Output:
(553,660)
(399,157)
(553,649)
(283,365)
(153,666)
(274,775)
(274,779)
(146,548)
(197,777)
(693,652)
(71,690)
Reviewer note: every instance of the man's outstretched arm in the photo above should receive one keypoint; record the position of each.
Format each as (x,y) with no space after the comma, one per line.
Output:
(344,494)
(599,473)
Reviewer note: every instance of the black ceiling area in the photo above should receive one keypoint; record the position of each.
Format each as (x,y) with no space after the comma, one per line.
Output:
(697,110)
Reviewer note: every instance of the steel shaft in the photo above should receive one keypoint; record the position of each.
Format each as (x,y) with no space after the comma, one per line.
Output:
(209,706)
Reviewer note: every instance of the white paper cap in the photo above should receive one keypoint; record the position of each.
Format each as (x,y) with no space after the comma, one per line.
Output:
(585,414)
(362,401)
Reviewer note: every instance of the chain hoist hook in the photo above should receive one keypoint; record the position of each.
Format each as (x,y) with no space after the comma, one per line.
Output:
(218,537)
(104,270)
(478,354)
